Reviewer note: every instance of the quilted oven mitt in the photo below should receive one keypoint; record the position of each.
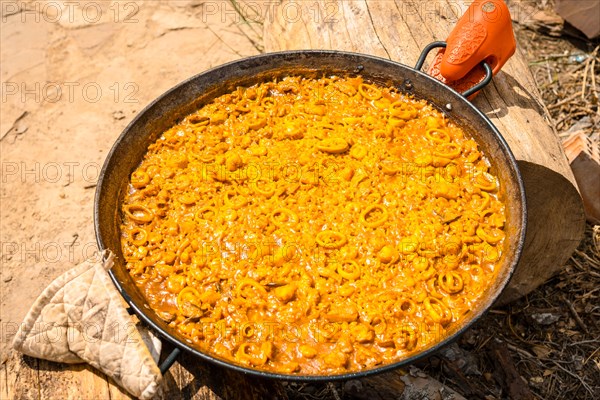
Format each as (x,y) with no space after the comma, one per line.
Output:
(80,318)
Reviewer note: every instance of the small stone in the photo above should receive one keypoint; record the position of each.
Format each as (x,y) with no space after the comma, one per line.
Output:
(62,195)
(541,351)
(536,380)
(451,352)
(589,308)
(8,278)
(471,367)
(118,115)
(19,130)
(545,318)
(578,363)
(470,337)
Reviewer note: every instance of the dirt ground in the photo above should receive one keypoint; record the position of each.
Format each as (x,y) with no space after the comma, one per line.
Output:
(75,73)
(72,78)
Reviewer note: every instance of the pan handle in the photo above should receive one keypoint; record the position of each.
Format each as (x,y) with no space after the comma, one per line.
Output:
(472,90)
(168,362)
(478,46)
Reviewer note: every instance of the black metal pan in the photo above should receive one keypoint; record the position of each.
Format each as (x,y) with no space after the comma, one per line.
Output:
(188,96)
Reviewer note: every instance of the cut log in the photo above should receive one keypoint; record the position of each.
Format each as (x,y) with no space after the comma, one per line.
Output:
(192,378)
(24,377)
(398,30)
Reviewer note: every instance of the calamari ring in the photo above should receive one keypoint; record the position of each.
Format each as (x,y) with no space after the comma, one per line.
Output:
(369,92)
(366,216)
(257,121)
(420,264)
(404,306)
(448,150)
(207,213)
(267,190)
(492,236)
(406,338)
(249,354)
(438,135)
(139,179)
(333,145)
(485,181)
(138,213)
(331,239)
(433,288)
(284,217)
(485,201)
(139,236)
(437,311)
(188,302)
(451,282)
(378,324)
(249,282)
(400,109)
(349,269)
(186,292)
(234,200)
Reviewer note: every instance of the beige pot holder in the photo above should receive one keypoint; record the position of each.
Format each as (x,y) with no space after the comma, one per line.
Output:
(81,317)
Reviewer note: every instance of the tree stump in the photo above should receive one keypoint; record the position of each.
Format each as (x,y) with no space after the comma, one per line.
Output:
(399,30)
(24,377)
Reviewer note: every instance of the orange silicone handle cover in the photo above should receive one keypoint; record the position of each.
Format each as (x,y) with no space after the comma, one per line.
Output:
(483,33)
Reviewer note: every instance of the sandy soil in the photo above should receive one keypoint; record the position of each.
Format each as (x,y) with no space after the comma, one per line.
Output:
(73,75)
